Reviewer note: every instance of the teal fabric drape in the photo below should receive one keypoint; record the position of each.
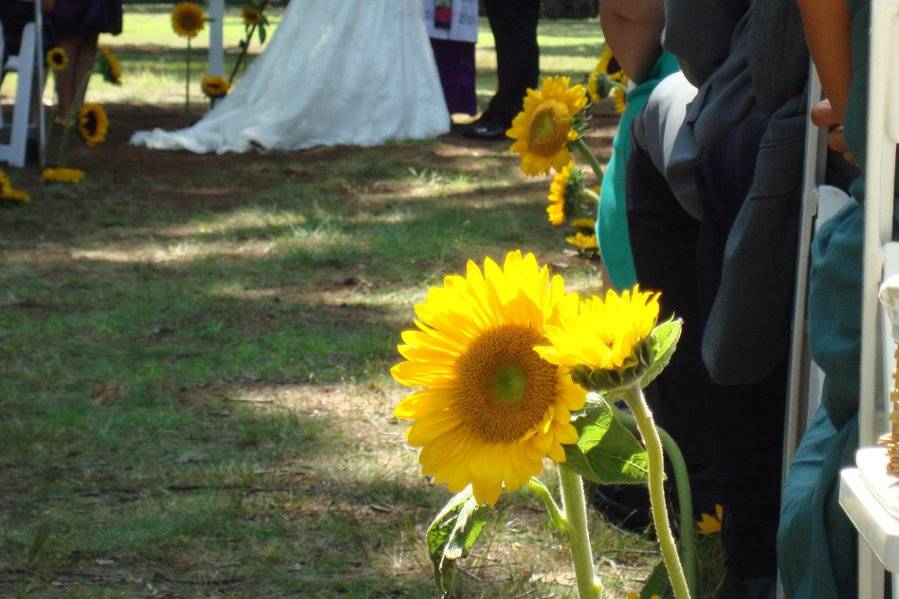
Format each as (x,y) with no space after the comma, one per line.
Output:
(611,224)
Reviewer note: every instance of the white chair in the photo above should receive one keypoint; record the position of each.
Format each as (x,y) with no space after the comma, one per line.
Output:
(868,495)
(28,118)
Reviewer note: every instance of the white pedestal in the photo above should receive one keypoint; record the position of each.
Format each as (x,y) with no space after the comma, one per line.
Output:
(870,498)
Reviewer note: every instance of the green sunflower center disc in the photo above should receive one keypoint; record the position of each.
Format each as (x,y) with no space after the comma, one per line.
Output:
(504,386)
(549,128)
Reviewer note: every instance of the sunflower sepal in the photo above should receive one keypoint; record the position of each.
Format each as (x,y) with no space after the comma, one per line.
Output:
(635,367)
(452,534)
(663,341)
(606,452)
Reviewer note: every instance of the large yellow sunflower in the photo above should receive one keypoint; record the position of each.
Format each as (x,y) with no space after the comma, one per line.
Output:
(558,209)
(604,333)
(92,123)
(214,86)
(57,59)
(543,128)
(488,409)
(187,19)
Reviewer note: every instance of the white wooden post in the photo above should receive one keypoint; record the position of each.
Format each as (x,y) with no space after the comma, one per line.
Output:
(216,66)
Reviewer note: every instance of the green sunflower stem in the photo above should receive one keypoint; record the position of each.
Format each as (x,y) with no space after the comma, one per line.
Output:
(684,499)
(581,146)
(187,83)
(72,119)
(246,46)
(555,513)
(590,195)
(633,396)
(588,585)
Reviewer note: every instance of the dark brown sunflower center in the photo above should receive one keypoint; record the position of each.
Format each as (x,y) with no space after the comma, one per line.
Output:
(190,21)
(89,121)
(549,128)
(505,387)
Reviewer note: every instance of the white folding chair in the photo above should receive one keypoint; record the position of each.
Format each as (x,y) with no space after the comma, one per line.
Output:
(28,118)
(867,494)
(819,202)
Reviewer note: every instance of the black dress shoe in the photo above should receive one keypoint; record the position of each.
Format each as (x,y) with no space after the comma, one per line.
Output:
(486,129)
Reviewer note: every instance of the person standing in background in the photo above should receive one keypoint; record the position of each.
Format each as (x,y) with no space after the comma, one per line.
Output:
(514,25)
(453,29)
(76,25)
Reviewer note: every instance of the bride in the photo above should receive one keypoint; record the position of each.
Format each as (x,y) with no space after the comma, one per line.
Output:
(353,72)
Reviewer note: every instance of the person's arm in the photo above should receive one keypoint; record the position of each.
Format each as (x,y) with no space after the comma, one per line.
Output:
(828,32)
(633,30)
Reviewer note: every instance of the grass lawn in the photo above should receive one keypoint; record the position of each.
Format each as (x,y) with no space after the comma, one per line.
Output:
(194,398)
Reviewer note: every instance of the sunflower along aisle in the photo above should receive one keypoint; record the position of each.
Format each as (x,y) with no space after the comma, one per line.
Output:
(509,370)
(548,132)
(502,359)
(188,20)
(89,118)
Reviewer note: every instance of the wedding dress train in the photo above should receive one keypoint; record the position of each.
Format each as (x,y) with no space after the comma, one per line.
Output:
(336,72)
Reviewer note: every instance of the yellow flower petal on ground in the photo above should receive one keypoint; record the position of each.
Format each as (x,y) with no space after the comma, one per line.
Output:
(15,195)
(583,242)
(92,124)
(555,211)
(709,524)
(57,59)
(187,19)
(62,175)
(489,409)
(604,333)
(543,128)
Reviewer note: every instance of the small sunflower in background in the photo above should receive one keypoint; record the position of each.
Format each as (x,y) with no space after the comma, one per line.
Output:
(62,175)
(214,86)
(57,59)
(187,19)
(585,243)
(544,127)
(619,99)
(251,15)
(564,193)
(609,66)
(586,224)
(109,67)
(93,123)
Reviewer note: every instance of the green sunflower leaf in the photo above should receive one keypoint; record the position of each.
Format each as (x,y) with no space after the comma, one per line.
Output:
(664,341)
(452,534)
(262,33)
(657,584)
(607,452)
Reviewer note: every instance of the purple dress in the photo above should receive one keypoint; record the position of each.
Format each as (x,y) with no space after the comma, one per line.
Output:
(85,17)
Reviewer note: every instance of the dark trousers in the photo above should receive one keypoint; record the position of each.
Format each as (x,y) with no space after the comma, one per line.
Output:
(683,258)
(514,25)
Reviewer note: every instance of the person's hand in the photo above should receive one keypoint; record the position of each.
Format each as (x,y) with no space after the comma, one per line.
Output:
(823,116)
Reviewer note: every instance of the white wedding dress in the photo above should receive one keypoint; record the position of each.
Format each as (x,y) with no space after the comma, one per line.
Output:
(353,72)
